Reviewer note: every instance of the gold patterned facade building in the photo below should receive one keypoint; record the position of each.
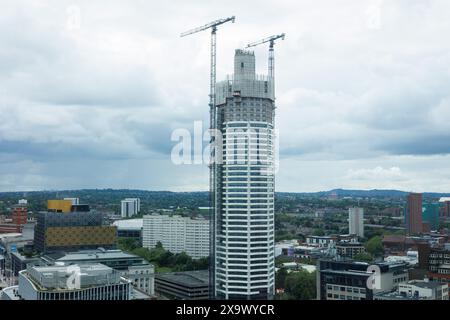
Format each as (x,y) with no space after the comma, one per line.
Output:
(80,236)
(77,228)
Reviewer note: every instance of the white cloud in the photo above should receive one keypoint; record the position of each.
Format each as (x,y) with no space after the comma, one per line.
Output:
(377,174)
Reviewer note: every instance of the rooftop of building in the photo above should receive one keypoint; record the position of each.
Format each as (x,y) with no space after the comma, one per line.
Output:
(129,224)
(360,266)
(157,214)
(349,244)
(19,205)
(26,235)
(137,294)
(11,293)
(286,243)
(84,268)
(394,295)
(244,52)
(305,247)
(56,277)
(439,249)
(425,284)
(306,267)
(9,235)
(322,237)
(89,255)
(199,278)
(22,257)
(405,258)
(394,238)
(347,272)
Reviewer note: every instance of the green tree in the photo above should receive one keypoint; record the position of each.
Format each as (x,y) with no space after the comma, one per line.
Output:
(301,285)
(319,232)
(280,278)
(375,246)
(166,261)
(128,244)
(363,257)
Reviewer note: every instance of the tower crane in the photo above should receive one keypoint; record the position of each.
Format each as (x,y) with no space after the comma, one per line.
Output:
(213,176)
(271,40)
(212,87)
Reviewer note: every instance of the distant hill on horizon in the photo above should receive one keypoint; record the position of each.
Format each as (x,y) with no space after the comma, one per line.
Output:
(374,193)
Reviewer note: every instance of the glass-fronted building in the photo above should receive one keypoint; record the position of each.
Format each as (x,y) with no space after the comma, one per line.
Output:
(430,214)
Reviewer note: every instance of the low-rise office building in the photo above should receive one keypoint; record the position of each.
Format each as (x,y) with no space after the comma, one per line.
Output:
(11,242)
(411,258)
(349,249)
(284,245)
(302,252)
(188,285)
(136,269)
(416,290)
(348,280)
(129,229)
(320,241)
(20,262)
(75,282)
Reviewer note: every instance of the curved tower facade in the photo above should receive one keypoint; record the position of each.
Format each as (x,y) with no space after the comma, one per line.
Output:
(243,222)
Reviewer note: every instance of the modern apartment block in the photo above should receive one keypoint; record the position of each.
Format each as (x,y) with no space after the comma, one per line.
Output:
(93,282)
(413,214)
(130,207)
(348,280)
(356,221)
(177,234)
(66,229)
(243,185)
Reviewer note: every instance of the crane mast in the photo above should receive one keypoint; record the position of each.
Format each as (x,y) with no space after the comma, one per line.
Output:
(214,192)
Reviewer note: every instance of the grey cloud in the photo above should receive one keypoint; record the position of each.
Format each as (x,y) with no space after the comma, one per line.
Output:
(112,92)
(438,144)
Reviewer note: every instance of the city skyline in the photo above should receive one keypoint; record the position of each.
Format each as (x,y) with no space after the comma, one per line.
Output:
(362,100)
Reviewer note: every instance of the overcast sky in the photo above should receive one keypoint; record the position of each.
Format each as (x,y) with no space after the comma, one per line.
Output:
(90,91)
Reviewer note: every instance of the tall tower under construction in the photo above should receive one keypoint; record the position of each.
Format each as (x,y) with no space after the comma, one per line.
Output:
(243,185)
